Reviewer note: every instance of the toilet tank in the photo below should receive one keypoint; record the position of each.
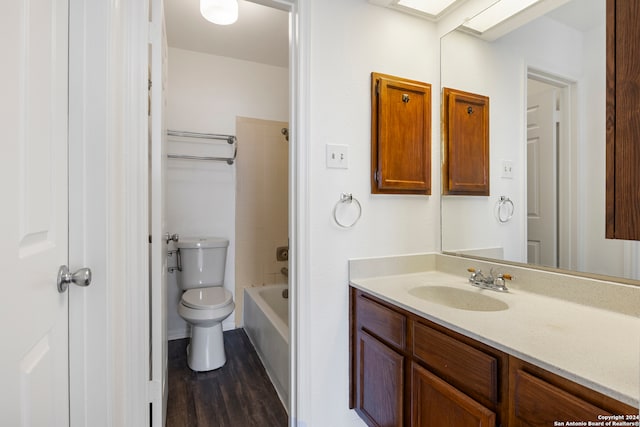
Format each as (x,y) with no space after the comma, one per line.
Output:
(203,261)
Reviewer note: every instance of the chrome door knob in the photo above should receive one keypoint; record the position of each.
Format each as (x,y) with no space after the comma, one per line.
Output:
(81,277)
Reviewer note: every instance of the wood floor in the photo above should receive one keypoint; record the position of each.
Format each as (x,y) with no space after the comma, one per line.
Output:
(239,394)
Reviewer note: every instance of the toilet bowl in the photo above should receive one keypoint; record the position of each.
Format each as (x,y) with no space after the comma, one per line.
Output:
(205,303)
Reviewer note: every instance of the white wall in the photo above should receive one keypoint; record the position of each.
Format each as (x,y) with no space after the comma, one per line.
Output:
(349,40)
(205,94)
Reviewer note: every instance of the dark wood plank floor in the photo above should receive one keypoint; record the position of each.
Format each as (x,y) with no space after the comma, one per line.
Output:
(239,394)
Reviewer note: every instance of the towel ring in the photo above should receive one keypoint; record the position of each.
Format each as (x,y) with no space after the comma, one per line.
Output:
(347,198)
(504,209)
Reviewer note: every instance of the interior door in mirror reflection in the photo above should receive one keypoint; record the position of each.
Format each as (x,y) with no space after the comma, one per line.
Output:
(465,131)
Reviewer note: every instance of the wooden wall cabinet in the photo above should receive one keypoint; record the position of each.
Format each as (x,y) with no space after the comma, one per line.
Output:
(623,121)
(400,135)
(408,371)
(465,131)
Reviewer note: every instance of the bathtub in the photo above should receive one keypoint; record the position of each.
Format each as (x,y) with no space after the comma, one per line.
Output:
(266,321)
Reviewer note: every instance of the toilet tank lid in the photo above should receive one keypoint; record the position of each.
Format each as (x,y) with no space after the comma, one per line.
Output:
(202,242)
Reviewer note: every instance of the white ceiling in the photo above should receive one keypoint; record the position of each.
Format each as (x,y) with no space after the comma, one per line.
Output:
(582,15)
(261,33)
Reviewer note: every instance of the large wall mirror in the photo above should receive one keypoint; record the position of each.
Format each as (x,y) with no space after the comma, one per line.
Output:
(546,83)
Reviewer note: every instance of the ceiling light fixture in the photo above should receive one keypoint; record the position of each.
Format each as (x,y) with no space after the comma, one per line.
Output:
(221,12)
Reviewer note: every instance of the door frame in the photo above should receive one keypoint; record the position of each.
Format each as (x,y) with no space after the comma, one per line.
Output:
(567,174)
(299,207)
(110,324)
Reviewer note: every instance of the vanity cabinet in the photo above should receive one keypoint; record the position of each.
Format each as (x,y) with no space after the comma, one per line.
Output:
(623,121)
(408,371)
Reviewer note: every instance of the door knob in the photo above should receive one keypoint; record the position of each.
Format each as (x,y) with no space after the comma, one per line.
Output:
(81,277)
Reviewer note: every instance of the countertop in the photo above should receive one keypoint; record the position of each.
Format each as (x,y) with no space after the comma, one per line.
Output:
(595,347)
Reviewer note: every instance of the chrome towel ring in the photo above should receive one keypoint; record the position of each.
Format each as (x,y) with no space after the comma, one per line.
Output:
(504,209)
(347,198)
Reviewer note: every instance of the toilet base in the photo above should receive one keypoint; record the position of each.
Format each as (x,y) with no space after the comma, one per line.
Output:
(206,348)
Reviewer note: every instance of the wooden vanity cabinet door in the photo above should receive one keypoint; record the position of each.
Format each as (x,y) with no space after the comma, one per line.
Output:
(378,340)
(437,403)
(537,398)
(400,135)
(380,382)
(623,121)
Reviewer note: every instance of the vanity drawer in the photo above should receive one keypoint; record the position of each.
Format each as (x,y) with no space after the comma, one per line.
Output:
(382,322)
(470,370)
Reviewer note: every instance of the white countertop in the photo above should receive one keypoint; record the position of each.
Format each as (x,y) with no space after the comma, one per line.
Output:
(597,348)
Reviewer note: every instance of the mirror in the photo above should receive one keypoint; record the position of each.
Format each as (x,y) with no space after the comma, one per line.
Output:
(546,85)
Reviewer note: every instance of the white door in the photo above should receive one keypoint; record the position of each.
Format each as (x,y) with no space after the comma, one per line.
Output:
(159,247)
(33,215)
(542,207)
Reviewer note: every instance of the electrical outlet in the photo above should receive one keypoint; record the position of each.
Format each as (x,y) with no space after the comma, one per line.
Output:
(507,169)
(337,156)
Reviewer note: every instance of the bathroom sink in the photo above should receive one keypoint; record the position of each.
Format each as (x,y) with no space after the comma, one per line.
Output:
(459,298)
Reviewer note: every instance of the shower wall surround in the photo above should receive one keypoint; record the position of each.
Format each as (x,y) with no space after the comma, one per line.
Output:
(262,202)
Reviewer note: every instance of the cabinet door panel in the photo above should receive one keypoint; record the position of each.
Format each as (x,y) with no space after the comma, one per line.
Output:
(536,403)
(380,382)
(400,135)
(465,170)
(437,403)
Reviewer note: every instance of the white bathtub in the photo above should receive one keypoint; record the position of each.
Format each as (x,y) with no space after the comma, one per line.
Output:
(266,321)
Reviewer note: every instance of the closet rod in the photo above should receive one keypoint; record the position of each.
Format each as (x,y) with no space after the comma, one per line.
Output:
(231,139)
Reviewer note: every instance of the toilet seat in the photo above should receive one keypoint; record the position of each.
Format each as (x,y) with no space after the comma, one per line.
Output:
(207,298)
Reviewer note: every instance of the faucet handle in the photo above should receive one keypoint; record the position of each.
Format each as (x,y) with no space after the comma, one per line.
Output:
(500,284)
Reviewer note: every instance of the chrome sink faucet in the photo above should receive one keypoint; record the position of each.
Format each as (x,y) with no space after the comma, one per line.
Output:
(497,283)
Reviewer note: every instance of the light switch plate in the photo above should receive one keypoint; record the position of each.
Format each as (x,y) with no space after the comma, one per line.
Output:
(337,156)
(507,169)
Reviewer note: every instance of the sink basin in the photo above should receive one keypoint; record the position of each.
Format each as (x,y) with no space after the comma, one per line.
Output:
(459,298)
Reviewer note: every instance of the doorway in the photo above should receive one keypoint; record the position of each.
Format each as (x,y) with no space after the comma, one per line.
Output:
(550,155)
(207,92)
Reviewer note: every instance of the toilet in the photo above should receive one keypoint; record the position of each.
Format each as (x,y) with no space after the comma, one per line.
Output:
(205,303)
